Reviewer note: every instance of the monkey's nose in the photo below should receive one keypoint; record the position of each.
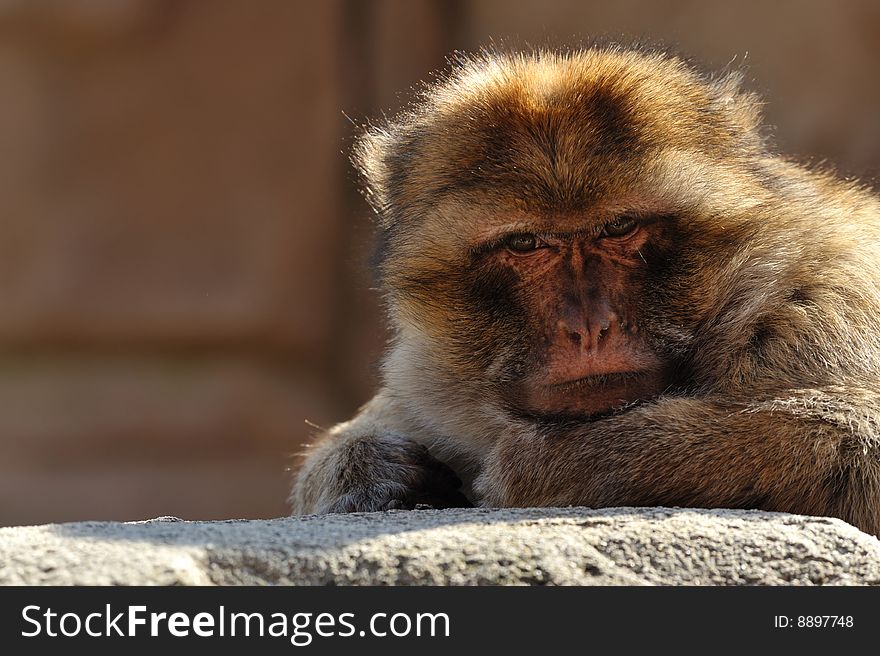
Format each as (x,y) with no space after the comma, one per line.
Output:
(585,333)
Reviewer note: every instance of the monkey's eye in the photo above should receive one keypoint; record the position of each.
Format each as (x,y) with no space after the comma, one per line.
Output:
(619,227)
(521,243)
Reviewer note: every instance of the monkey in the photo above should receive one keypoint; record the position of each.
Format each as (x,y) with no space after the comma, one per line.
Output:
(605,287)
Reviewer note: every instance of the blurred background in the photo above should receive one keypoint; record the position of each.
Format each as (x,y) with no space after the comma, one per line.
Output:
(183,276)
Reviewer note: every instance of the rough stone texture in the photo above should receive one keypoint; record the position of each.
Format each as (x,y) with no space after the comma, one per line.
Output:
(624,546)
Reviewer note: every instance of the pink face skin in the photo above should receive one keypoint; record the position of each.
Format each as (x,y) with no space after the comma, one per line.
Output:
(581,287)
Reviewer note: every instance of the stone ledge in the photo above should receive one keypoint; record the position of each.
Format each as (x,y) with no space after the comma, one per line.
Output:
(562,546)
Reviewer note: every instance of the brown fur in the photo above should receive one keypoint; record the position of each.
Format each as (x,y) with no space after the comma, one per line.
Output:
(762,294)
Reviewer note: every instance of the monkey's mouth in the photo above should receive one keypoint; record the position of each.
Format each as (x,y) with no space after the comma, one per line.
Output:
(597,381)
(596,394)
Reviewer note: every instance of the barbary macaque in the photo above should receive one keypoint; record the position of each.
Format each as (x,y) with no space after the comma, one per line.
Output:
(605,288)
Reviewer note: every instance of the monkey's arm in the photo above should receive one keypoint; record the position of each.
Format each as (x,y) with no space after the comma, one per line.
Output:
(369,464)
(814,453)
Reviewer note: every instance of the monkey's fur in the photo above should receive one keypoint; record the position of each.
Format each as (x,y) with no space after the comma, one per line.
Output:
(756,288)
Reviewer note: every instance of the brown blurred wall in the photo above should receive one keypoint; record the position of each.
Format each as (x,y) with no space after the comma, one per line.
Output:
(183,274)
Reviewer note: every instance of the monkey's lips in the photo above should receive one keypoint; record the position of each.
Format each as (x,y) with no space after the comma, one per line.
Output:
(593,394)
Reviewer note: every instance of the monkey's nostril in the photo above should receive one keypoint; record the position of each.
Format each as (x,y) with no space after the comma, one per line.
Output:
(576,336)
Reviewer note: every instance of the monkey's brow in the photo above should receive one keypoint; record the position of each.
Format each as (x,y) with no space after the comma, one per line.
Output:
(587,226)
(499,239)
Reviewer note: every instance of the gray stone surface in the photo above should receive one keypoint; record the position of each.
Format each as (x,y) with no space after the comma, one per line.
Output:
(628,546)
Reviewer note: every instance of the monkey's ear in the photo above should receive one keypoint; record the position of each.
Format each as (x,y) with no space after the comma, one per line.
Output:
(742,108)
(370,158)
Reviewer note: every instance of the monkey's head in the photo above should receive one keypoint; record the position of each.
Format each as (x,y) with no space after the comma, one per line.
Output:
(548,221)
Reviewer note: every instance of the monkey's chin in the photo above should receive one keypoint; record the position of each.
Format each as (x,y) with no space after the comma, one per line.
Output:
(592,396)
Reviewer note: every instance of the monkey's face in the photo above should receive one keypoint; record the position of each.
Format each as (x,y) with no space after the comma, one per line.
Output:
(552,315)
(575,342)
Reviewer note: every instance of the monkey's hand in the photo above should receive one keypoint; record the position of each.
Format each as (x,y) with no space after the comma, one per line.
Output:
(370,473)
